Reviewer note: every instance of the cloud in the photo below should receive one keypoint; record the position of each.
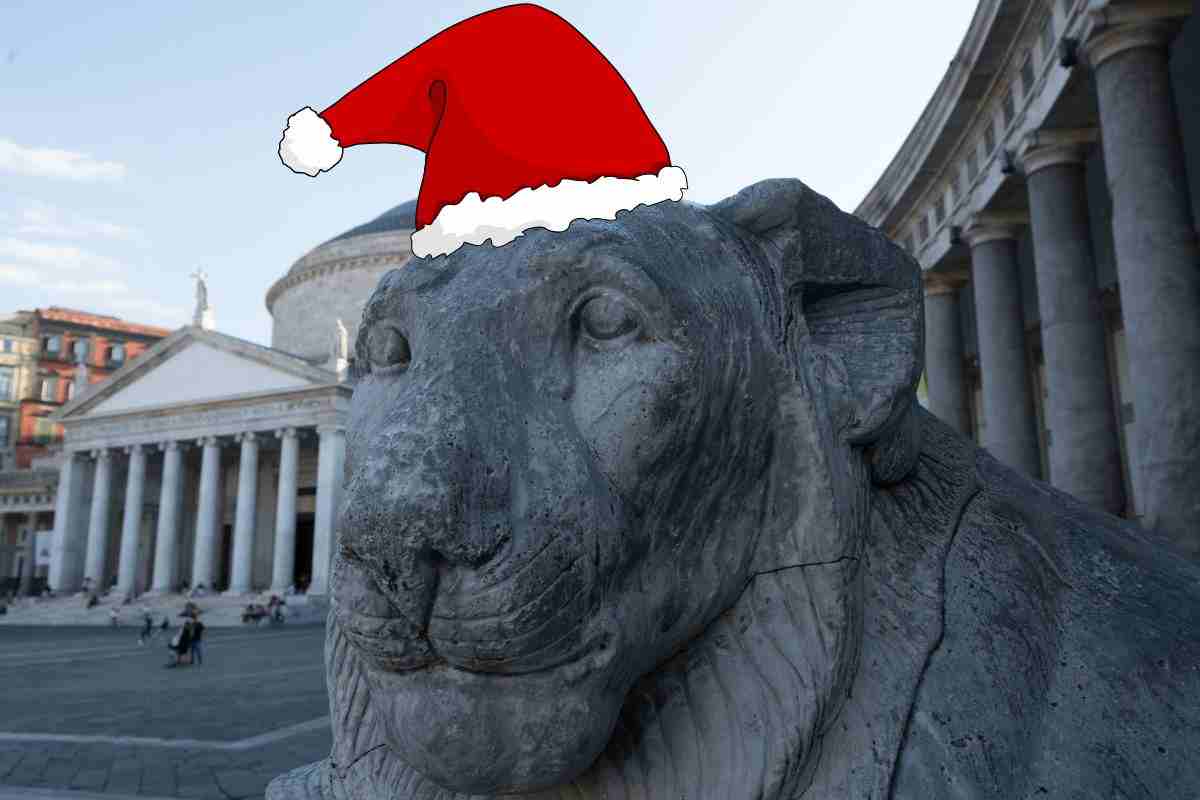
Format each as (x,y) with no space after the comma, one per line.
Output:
(55,256)
(41,219)
(101,294)
(47,162)
(22,275)
(54,270)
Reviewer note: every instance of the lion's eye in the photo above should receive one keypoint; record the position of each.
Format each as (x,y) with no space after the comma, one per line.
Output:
(387,347)
(608,317)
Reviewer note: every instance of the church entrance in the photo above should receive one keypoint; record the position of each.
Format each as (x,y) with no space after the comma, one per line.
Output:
(302,572)
(224,569)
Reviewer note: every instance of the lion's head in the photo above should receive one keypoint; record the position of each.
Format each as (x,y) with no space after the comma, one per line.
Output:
(605,495)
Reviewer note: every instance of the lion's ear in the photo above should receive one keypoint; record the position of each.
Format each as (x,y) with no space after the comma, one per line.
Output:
(854,294)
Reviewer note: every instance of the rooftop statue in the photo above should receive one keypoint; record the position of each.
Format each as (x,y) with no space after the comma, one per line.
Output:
(647,509)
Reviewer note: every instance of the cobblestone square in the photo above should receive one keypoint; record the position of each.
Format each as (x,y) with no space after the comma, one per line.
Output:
(87,712)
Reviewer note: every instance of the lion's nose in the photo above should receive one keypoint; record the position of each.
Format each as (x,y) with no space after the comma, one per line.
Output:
(418,506)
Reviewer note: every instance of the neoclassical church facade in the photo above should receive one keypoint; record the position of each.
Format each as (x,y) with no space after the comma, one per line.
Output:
(217,462)
(1048,190)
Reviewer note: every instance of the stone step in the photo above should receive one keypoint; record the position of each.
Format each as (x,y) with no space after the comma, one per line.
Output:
(215,610)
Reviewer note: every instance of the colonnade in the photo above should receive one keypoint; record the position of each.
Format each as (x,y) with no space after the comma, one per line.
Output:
(1158,270)
(205,560)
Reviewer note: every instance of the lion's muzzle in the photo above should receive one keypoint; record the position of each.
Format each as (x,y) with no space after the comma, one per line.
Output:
(473,548)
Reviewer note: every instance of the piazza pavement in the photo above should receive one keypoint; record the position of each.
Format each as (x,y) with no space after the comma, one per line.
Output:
(87,713)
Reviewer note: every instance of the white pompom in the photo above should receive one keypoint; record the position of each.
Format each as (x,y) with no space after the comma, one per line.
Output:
(308,146)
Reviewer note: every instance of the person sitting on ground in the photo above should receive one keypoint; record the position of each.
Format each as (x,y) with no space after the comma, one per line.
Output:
(92,600)
(114,618)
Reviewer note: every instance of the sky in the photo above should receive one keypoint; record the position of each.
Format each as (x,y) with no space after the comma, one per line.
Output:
(138,141)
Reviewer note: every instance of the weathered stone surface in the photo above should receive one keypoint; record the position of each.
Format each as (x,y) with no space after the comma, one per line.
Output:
(647,510)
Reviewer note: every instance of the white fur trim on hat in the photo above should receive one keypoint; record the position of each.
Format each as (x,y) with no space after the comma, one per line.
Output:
(308,146)
(474,221)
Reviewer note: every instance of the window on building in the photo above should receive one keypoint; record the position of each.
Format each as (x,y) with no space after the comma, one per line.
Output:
(972,165)
(924,228)
(6,346)
(989,139)
(116,353)
(939,210)
(43,431)
(1041,396)
(69,391)
(8,383)
(80,348)
(1027,75)
(3,431)
(1008,107)
(977,417)
(49,392)
(1048,37)
(51,345)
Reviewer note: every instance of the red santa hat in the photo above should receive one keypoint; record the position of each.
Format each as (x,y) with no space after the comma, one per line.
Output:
(524,124)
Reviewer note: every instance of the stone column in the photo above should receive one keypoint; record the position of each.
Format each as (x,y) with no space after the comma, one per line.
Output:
(1158,266)
(205,550)
(1085,454)
(284,566)
(1010,420)
(97,541)
(66,552)
(30,563)
(330,460)
(166,536)
(247,505)
(131,523)
(944,374)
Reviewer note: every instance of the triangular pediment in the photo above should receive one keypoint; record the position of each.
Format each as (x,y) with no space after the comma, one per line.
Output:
(192,366)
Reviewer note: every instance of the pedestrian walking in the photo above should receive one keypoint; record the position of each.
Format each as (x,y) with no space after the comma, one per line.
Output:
(181,644)
(147,626)
(197,641)
(113,617)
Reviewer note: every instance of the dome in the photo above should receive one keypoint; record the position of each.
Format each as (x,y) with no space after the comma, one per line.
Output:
(401,218)
(332,282)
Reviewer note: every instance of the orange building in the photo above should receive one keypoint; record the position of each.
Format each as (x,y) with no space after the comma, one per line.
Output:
(68,341)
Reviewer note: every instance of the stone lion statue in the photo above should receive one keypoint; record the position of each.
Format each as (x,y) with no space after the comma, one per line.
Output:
(647,509)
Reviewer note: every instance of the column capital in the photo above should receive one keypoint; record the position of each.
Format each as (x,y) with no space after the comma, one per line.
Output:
(172,444)
(939,283)
(101,453)
(1152,32)
(332,429)
(245,436)
(1124,12)
(207,441)
(132,448)
(990,226)
(1046,148)
(286,433)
